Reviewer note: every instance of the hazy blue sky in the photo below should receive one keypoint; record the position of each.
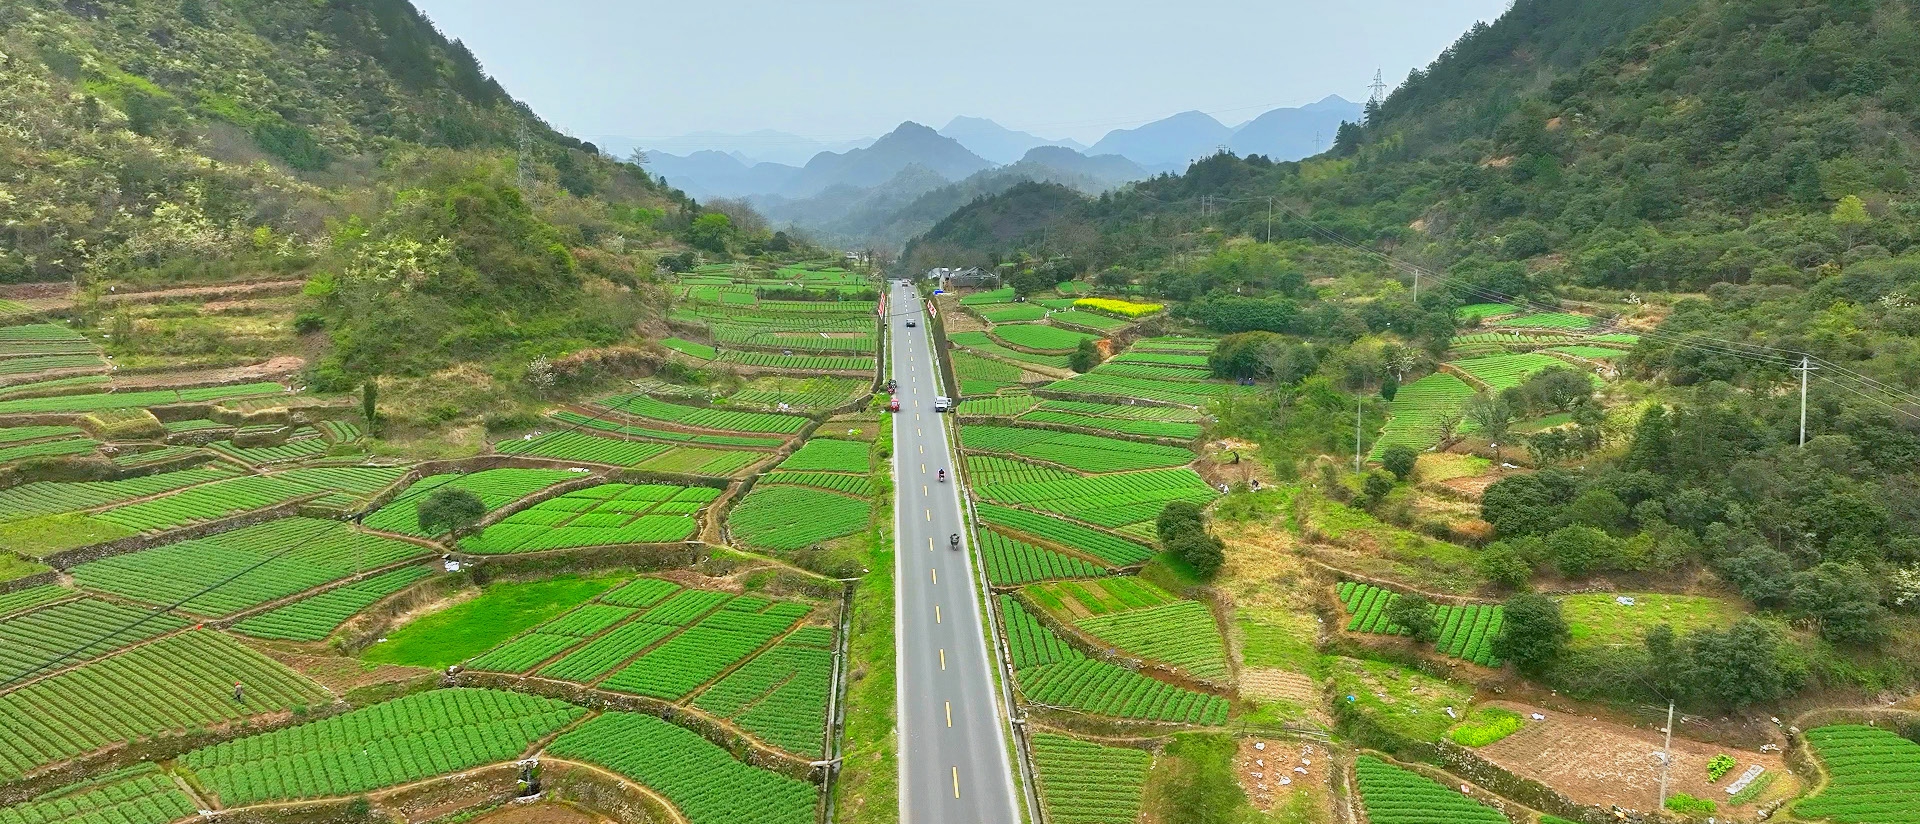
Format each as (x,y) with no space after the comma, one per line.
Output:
(838,69)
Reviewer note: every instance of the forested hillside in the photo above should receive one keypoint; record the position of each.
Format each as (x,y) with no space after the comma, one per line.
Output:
(155,143)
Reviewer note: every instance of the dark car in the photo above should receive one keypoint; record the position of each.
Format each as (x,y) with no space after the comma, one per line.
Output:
(913,323)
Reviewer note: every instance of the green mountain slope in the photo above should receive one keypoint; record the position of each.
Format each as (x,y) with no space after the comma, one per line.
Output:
(149,143)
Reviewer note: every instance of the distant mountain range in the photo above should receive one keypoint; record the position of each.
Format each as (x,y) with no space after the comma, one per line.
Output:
(887,189)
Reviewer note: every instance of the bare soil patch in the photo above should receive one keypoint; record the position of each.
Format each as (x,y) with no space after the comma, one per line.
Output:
(1604,763)
(343,675)
(1271,771)
(278,367)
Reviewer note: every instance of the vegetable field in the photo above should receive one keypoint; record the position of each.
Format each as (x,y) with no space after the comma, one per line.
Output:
(982,376)
(1546,320)
(1039,337)
(828,455)
(1011,561)
(856,485)
(407,739)
(1418,410)
(694,460)
(1119,308)
(140,794)
(1086,783)
(980,342)
(47,497)
(1875,777)
(1396,796)
(703,781)
(1002,406)
(251,566)
(495,487)
(1105,500)
(692,658)
(131,400)
(315,617)
(601,515)
(1181,633)
(1087,453)
(568,445)
(777,517)
(1464,632)
(781,695)
(119,699)
(1506,371)
(1112,549)
(1152,429)
(73,631)
(1050,673)
(629,430)
(641,406)
(1106,385)
(991,469)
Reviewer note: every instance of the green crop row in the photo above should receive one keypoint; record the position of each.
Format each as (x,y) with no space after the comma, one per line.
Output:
(1368,605)
(406,739)
(1547,320)
(140,794)
(1004,405)
(1151,429)
(1009,312)
(1012,561)
(701,780)
(1132,412)
(982,343)
(1105,500)
(1418,410)
(604,515)
(227,572)
(828,455)
(1507,371)
(21,600)
(73,631)
(315,617)
(131,400)
(293,450)
(706,649)
(1468,632)
(44,363)
(48,449)
(495,487)
(641,406)
(116,699)
(1086,783)
(1087,453)
(802,363)
(1040,337)
(1114,550)
(568,445)
(992,469)
(694,460)
(1175,374)
(47,497)
(780,517)
(1874,777)
(1099,385)
(1396,796)
(780,696)
(631,430)
(1182,633)
(980,376)
(856,485)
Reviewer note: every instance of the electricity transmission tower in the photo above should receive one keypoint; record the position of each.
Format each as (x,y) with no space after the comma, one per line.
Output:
(1379,92)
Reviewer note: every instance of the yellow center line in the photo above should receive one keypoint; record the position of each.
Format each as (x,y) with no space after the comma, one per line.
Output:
(943,659)
(923,489)
(949,714)
(929,543)
(929,514)
(936,613)
(956,782)
(923,449)
(936,579)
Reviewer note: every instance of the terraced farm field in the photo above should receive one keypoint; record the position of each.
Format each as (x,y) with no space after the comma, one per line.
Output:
(73,631)
(984,344)
(495,487)
(1086,783)
(1546,320)
(701,780)
(1180,633)
(111,701)
(603,515)
(251,566)
(781,695)
(1012,561)
(1113,500)
(1418,410)
(569,445)
(1174,430)
(1093,543)
(1875,776)
(1087,453)
(1396,796)
(828,455)
(1050,673)
(407,739)
(980,376)
(1505,371)
(777,517)
(1099,385)
(314,617)
(641,406)
(678,667)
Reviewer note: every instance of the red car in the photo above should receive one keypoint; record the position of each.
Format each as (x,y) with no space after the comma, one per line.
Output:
(893,405)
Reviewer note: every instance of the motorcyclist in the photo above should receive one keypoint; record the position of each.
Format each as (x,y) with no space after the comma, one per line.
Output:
(943,476)
(954,540)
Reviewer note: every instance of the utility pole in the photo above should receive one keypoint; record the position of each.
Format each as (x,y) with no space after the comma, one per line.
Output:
(1666,757)
(1269,220)
(1416,284)
(1805,367)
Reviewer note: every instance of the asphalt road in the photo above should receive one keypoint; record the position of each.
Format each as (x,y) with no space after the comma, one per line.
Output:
(953,746)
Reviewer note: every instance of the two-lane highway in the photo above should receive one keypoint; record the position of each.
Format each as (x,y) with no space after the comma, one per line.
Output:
(953,744)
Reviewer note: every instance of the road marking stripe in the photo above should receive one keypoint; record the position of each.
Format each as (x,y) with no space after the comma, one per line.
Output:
(949,715)
(936,613)
(929,514)
(943,659)
(956,782)
(936,576)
